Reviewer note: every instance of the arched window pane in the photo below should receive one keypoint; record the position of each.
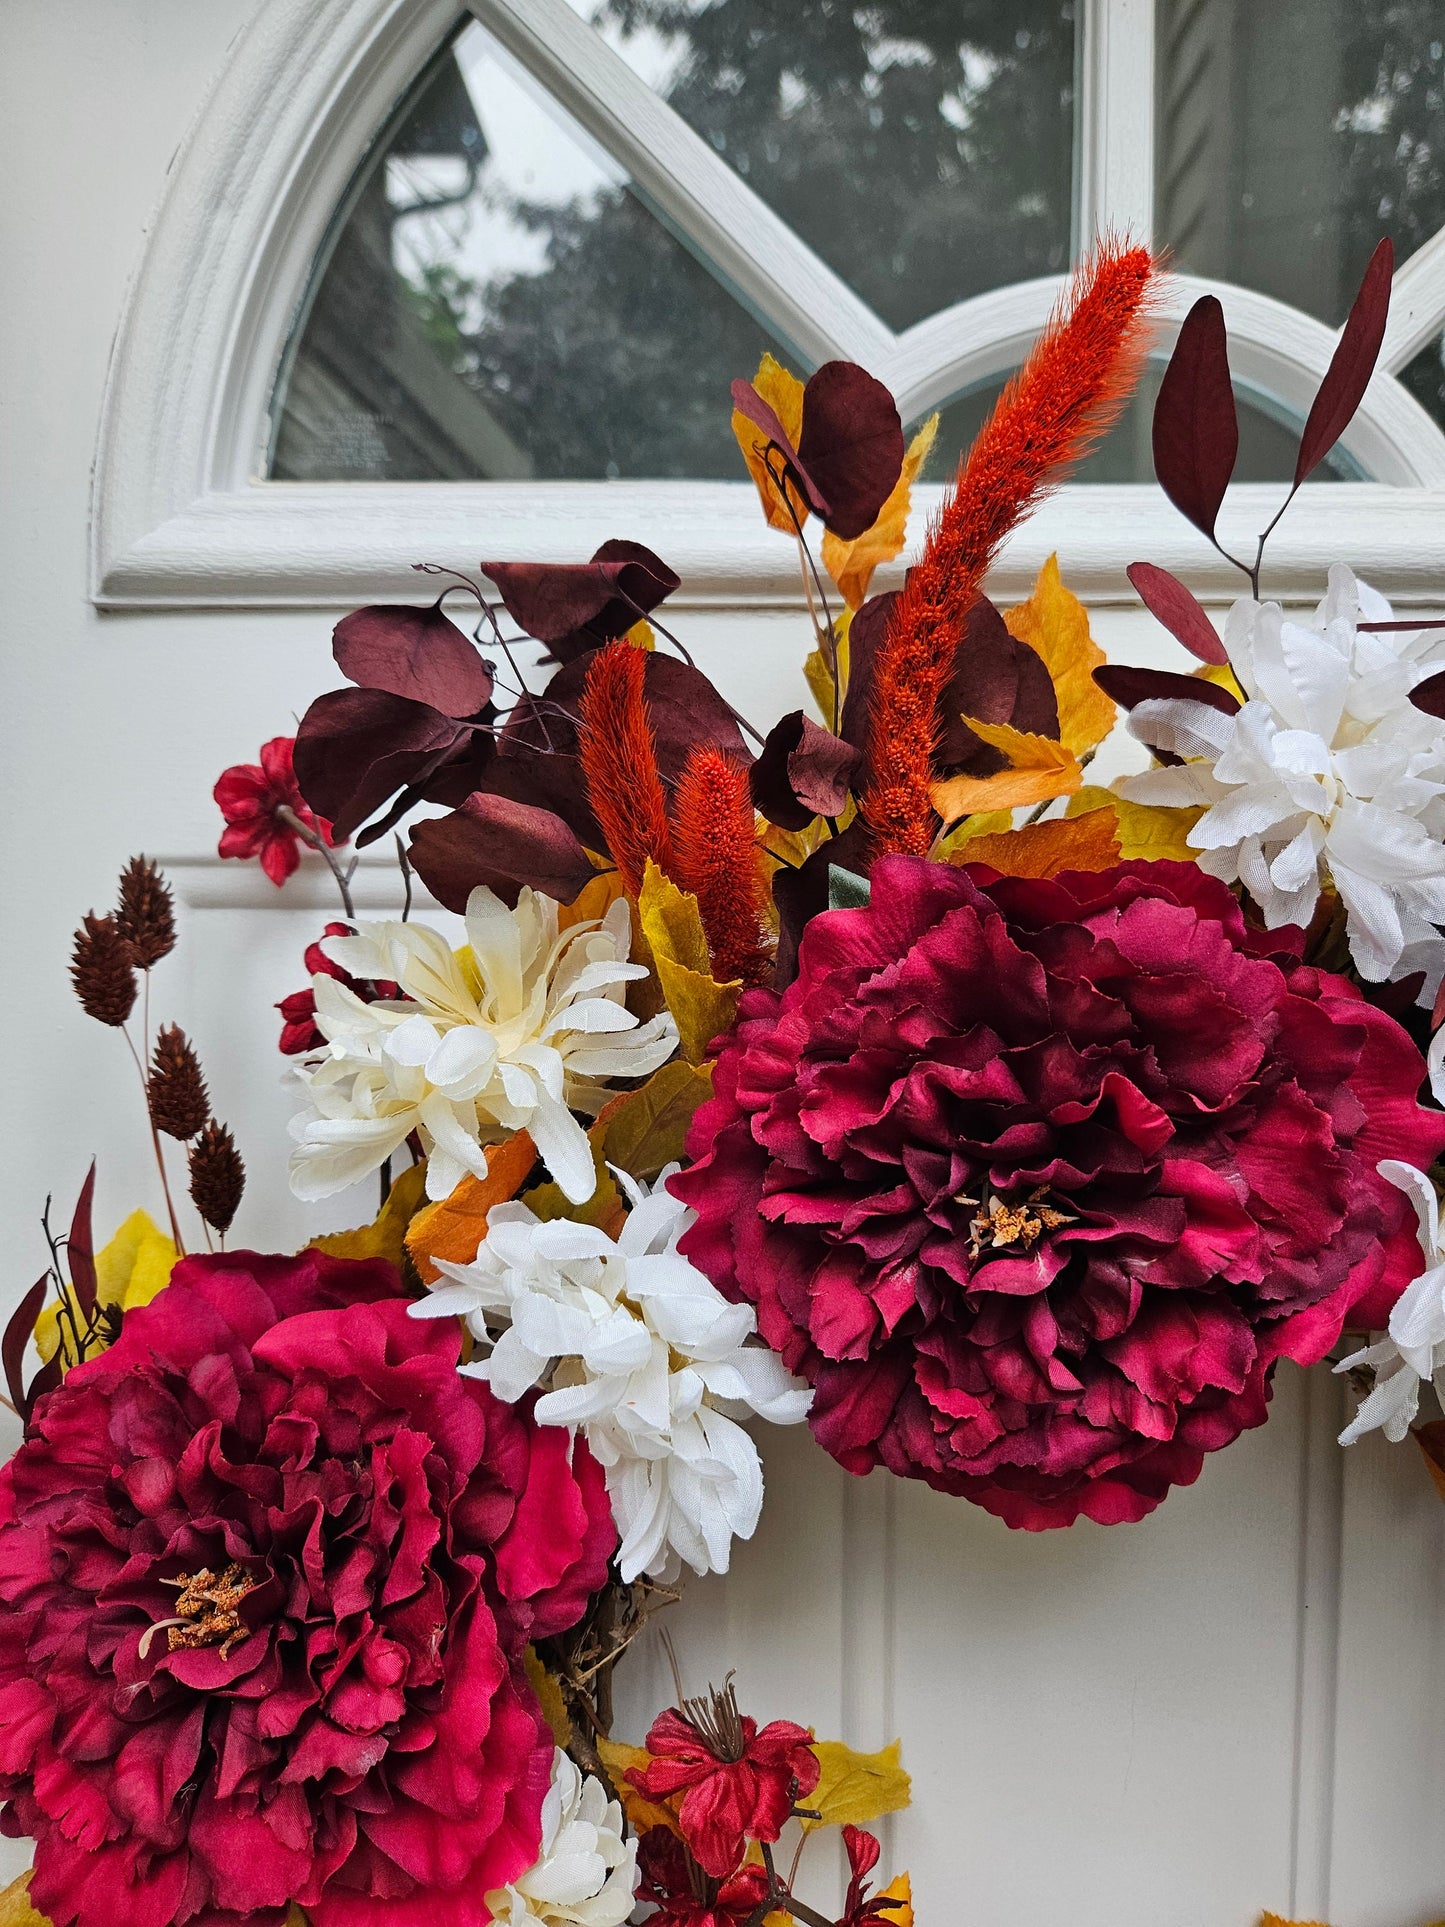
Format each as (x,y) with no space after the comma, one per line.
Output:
(1290,137)
(922,148)
(1425,378)
(495,302)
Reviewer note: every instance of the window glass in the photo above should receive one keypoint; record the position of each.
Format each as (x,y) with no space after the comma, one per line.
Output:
(1291,136)
(495,302)
(922,148)
(1425,378)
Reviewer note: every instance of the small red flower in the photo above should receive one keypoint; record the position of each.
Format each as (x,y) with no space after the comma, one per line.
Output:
(737,1783)
(683,1895)
(861,1909)
(298,1011)
(251,795)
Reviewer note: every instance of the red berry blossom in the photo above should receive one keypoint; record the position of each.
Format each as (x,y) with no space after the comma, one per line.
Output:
(683,1894)
(1035,1180)
(250,796)
(738,1783)
(299,1033)
(268,1568)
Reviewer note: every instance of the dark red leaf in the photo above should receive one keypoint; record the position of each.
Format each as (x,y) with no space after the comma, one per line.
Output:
(1351,365)
(494,841)
(1169,602)
(80,1246)
(747,401)
(1128,687)
(17,1337)
(1196,429)
(356,747)
(802,771)
(1000,680)
(574,606)
(416,653)
(865,638)
(45,1380)
(1430,695)
(851,445)
(801,894)
(684,708)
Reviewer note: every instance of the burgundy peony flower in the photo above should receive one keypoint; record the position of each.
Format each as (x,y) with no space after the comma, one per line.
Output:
(299,1033)
(267,1570)
(1035,1180)
(684,1896)
(251,795)
(738,1784)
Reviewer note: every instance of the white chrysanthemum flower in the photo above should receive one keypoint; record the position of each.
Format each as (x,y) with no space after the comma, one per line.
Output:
(586,1873)
(1413,1349)
(1328,771)
(642,1355)
(515,1033)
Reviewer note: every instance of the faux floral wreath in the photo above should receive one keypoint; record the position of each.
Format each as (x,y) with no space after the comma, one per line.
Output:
(878,1071)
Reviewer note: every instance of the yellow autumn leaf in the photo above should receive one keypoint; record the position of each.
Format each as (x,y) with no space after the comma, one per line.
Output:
(1144,832)
(641,1812)
(855,1789)
(1055,624)
(851,564)
(1278,1920)
(129,1271)
(385,1236)
(899,1888)
(1088,842)
(1039,770)
(640,635)
(783,393)
(645,1129)
(672,924)
(604,1208)
(15,1907)
(454,1227)
(549,1697)
(819,677)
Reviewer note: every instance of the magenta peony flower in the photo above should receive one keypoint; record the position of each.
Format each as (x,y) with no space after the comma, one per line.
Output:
(1034,1181)
(267,1571)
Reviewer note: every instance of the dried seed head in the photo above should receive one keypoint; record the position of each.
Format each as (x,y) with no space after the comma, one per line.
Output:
(176,1089)
(145,913)
(218,1177)
(103,971)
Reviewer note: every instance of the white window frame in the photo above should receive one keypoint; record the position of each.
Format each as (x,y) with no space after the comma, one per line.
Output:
(182,517)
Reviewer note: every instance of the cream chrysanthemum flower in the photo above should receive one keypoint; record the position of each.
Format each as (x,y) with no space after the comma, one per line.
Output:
(586,1873)
(514,1033)
(1412,1351)
(639,1352)
(1327,774)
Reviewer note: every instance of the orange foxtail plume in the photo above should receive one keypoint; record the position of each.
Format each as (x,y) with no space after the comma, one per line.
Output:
(619,761)
(1068,394)
(718,861)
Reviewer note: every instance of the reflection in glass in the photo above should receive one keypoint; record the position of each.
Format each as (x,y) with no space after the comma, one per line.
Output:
(1290,137)
(495,302)
(922,148)
(1425,378)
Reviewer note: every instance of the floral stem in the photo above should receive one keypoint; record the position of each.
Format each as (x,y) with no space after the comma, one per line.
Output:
(156,1143)
(314,841)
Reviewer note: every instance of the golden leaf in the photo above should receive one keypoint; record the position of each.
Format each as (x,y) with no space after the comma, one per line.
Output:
(593,900)
(851,564)
(454,1227)
(985,823)
(1143,830)
(645,1129)
(899,1888)
(641,1812)
(672,924)
(15,1907)
(1044,849)
(1040,769)
(385,1236)
(604,1208)
(1278,1920)
(857,1788)
(819,677)
(129,1271)
(1055,624)
(783,393)
(640,635)
(549,1697)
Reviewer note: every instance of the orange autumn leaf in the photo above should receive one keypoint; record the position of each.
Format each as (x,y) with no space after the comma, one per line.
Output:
(899,1888)
(1044,849)
(1278,1920)
(851,564)
(454,1227)
(783,393)
(1040,769)
(1055,625)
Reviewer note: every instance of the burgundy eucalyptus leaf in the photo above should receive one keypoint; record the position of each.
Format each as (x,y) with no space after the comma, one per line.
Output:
(683,706)
(1351,365)
(45,1380)
(851,445)
(1129,686)
(865,638)
(17,1337)
(80,1246)
(574,606)
(1169,602)
(747,401)
(999,679)
(494,841)
(356,747)
(1196,428)
(801,894)
(802,771)
(416,653)
(1430,695)
(450,779)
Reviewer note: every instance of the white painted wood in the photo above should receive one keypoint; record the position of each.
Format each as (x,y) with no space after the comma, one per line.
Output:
(1116,112)
(1417,305)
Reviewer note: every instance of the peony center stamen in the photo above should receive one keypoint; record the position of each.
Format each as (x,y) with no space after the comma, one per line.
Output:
(998,1225)
(205,1612)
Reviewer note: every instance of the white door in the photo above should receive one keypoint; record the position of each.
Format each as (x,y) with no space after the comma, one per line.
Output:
(301,292)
